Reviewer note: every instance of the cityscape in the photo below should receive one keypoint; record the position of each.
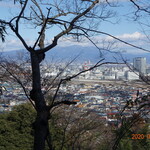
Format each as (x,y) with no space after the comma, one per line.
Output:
(107,90)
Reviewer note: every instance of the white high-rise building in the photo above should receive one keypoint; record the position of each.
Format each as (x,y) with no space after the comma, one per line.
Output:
(139,64)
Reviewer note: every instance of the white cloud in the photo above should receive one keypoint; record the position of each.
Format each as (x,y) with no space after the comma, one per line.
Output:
(136,38)
(101,38)
(135,35)
(116,1)
(10,45)
(128,36)
(70,41)
(101,41)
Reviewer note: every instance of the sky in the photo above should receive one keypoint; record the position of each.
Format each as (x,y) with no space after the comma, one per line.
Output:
(125,29)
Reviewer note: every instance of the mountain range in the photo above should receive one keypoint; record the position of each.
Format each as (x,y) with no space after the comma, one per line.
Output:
(82,54)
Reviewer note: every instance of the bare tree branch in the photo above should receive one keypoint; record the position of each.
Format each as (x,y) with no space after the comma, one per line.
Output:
(140,8)
(20,83)
(71,26)
(19,17)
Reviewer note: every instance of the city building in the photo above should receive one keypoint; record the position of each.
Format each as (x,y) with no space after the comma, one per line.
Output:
(139,64)
(130,75)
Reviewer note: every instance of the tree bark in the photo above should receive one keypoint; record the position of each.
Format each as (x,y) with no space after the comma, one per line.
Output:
(41,122)
(40,130)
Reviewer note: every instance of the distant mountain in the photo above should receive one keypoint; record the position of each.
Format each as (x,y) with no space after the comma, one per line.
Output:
(90,53)
(82,54)
(71,52)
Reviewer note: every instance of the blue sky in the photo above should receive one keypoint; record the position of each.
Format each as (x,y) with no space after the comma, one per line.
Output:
(124,29)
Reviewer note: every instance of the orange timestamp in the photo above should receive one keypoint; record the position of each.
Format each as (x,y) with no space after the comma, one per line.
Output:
(140,136)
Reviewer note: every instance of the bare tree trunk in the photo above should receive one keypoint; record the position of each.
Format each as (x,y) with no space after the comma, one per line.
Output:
(41,131)
(41,123)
